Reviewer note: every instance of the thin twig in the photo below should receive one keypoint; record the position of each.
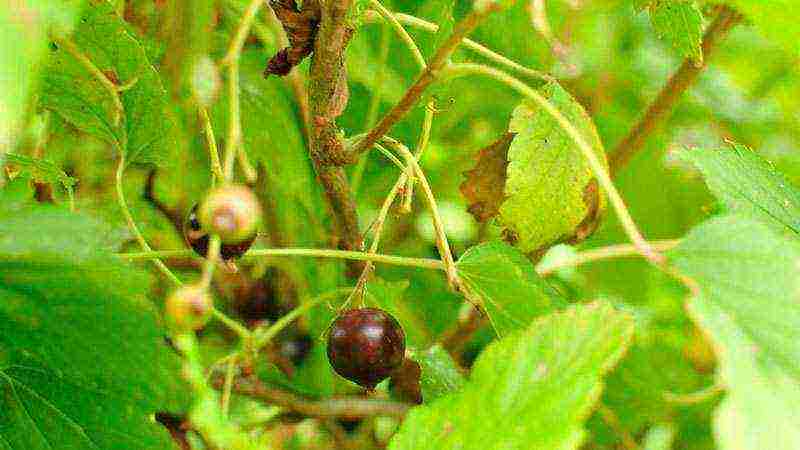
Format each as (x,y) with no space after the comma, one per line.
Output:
(603,253)
(134,228)
(401,32)
(416,22)
(242,31)
(211,144)
(425,263)
(598,169)
(341,407)
(694,398)
(611,419)
(672,92)
(265,337)
(438,224)
(437,62)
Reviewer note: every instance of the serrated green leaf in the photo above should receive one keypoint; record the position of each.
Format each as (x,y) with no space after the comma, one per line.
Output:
(749,279)
(83,361)
(531,390)
(40,170)
(440,375)
(681,24)
(507,286)
(143,131)
(550,192)
(747,184)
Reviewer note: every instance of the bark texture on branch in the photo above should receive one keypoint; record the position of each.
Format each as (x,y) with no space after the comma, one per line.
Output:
(661,108)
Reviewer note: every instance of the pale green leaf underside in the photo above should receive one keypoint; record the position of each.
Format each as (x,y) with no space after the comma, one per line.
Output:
(440,374)
(531,390)
(83,362)
(749,278)
(144,131)
(681,24)
(748,185)
(547,174)
(507,286)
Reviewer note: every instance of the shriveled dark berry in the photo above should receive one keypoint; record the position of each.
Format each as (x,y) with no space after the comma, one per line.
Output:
(198,239)
(366,345)
(296,348)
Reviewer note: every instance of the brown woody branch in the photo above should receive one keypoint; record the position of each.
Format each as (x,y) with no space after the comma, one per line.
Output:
(428,76)
(661,108)
(328,97)
(340,407)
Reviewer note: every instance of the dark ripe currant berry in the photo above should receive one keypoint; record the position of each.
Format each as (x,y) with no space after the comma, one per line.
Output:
(232,211)
(198,239)
(366,345)
(188,309)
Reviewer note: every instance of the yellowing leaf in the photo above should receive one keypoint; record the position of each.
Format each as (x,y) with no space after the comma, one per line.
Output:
(552,195)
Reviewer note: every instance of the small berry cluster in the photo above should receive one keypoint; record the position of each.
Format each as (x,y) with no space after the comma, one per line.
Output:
(365,345)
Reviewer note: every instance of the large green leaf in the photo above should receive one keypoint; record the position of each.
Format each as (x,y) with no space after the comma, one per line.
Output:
(747,184)
(83,361)
(531,390)
(749,278)
(505,283)
(143,131)
(23,45)
(440,374)
(551,194)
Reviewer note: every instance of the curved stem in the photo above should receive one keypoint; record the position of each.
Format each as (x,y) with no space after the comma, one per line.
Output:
(416,22)
(438,224)
(401,32)
(428,76)
(602,253)
(235,326)
(597,167)
(235,126)
(661,108)
(213,152)
(134,228)
(286,320)
(241,33)
(424,263)
(422,144)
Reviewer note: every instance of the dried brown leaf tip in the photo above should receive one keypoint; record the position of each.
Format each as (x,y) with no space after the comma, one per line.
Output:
(301,28)
(484,186)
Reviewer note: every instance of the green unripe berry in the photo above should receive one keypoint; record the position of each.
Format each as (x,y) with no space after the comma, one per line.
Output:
(188,309)
(232,212)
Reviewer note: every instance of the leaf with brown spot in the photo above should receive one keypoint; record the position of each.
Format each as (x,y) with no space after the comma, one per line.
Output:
(484,186)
